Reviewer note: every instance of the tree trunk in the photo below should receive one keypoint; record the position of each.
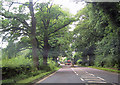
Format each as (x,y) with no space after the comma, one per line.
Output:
(118,50)
(84,60)
(91,60)
(45,48)
(34,53)
(33,35)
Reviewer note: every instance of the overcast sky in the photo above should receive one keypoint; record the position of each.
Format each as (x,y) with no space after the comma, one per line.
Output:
(69,4)
(72,6)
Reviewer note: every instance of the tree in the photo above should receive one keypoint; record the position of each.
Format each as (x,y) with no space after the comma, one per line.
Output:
(97,33)
(50,20)
(33,34)
(111,39)
(15,23)
(84,34)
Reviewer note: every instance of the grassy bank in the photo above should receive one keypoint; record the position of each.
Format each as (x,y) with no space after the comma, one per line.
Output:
(106,69)
(27,78)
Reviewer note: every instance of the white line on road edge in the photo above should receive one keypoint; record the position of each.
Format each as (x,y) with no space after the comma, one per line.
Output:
(45,77)
(74,71)
(82,79)
(100,78)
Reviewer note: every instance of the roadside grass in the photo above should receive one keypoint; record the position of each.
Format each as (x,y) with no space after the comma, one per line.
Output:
(27,78)
(105,69)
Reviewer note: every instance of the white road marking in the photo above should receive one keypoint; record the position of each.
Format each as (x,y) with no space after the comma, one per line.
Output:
(96,82)
(100,78)
(92,79)
(91,74)
(74,71)
(82,79)
(46,77)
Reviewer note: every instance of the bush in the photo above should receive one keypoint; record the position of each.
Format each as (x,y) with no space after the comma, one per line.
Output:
(16,65)
(44,68)
(16,62)
(79,61)
(52,64)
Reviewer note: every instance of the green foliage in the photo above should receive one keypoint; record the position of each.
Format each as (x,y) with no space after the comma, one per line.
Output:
(106,69)
(96,35)
(79,61)
(16,65)
(52,29)
(106,51)
(26,78)
(16,62)
(30,79)
(52,64)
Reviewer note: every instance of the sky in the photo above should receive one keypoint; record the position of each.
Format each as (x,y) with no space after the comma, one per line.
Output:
(72,6)
(69,4)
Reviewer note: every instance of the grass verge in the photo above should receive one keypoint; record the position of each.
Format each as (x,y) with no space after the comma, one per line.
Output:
(24,79)
(106,69)
(28,80)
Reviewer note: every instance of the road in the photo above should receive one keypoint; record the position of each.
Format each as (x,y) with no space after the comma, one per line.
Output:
(68,74)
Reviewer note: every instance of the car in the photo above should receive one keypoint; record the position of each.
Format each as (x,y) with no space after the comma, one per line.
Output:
(68,62)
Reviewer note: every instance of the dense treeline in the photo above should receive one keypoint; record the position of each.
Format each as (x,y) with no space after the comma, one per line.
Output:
(97,34)
(36,37)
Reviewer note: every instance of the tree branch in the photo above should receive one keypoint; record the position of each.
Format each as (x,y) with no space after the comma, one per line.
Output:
(15,29)
(35,2)
(48,8)
(53,24)
(10,6)
(15,17)
(44,23)
(24,49)
(20,3)
(60,28)
(38,44)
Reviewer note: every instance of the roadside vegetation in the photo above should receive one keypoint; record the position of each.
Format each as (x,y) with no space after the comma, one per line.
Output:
(96,36)
(106,69)
(33,48)
(21,70)
(39,37)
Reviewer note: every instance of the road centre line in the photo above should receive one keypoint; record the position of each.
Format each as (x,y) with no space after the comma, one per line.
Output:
(74,71)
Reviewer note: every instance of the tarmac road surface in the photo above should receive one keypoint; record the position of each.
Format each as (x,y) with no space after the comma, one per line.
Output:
(83,75)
